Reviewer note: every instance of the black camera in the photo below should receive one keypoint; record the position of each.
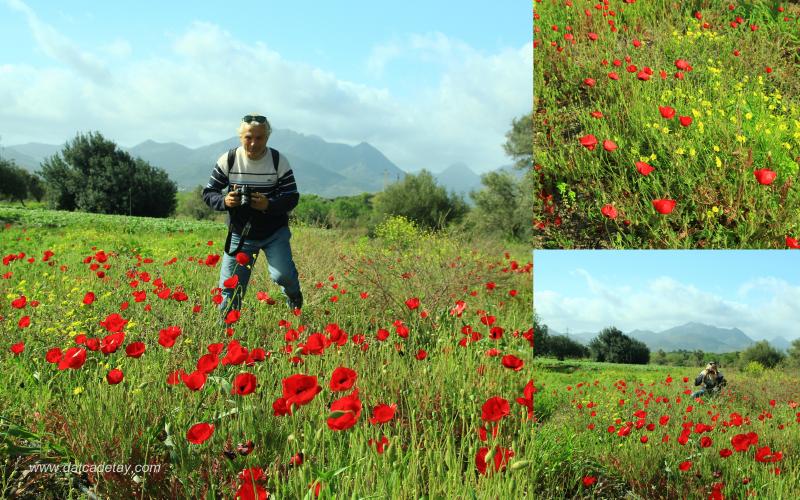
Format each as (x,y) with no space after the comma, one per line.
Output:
(244,191)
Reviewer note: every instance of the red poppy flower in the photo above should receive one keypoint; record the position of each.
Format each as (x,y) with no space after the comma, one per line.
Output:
(345,412)
(381,445)
(494,409)
(195,380)
(199,433)
(765,176)
(685,465)
(18,348)
(19,302)
(342,379)
(725,453)
(73,358)
(114,376)
(54,355)
(592,36)
(613,75)
(231,282)
(741,442)
(685,121)
(114,323)
(512,362)
(643,168)
(300,389)
(382,413)
(24,322)
(589,142)
(609,211)
(589,481)
(596,114)
(280,408)
(664,206)
(609,145)
(500,459)
(792,242)
(232,316)
(682,65)
(412,303)
(705,441)
(667,112)
(421,354)
(88,298)
(765,455)
(589,82)
(242,259)
(135,349)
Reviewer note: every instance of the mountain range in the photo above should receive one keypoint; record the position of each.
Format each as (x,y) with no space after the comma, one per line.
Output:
(690,336)
(324,168)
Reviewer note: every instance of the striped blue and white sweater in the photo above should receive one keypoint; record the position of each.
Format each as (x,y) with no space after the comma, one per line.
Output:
(276,182)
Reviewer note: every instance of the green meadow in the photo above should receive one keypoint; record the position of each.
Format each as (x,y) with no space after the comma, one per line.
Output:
(112,354)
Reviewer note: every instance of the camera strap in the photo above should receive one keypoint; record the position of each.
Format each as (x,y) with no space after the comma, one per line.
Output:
(241,240)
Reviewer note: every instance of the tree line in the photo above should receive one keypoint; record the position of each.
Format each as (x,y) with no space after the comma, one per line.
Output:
(612,346)
(92,174)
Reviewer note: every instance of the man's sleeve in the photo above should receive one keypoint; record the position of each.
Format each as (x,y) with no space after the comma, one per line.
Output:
(699,379)
(212,194)
(286,195)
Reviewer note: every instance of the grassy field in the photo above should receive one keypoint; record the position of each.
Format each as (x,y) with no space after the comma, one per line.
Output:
(435,329)
(613,431)
(667,124)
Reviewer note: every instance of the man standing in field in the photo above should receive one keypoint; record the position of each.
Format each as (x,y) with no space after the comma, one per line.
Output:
(261,192)
(711,380)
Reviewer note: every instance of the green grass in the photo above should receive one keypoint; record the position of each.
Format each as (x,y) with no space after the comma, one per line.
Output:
(75,416)
(568,392)
(743,119)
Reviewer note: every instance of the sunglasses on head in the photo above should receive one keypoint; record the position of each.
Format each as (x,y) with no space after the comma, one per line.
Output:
(254,118)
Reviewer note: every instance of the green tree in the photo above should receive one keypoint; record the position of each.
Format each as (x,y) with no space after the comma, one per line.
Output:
(313,210)
(500,207)
(562,347)
(519,141)
(763,353)
(351,211)
(612,346)
(793,358)
(420,199)
(13,181)
(93,175)
(541,337)
(660,358)
(504,205)
(191,205)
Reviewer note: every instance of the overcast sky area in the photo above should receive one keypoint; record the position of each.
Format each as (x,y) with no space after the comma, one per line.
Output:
(757,291)
(427,83)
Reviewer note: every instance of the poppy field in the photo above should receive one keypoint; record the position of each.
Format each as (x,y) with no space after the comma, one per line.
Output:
(612,431)
(406,374)
(667,124)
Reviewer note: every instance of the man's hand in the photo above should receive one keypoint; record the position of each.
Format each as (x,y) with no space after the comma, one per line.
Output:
(233,199)
(259,202)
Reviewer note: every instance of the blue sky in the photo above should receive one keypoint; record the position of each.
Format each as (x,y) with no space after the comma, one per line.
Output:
(757,291)
(428,83)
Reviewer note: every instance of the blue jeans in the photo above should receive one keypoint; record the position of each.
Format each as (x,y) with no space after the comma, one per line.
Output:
(698,393)
(279,261)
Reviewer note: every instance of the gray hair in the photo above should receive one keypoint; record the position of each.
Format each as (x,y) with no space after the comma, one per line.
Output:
(243,127)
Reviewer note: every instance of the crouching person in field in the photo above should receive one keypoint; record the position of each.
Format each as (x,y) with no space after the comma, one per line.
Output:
(711,380)
(261,192)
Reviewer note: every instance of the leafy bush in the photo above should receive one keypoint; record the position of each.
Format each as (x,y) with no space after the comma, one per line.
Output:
(421,199)
(754,368)
(398,231)
(612,346)
(92,174)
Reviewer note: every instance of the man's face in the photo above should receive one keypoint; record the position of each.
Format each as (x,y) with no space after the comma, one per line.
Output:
(254,140)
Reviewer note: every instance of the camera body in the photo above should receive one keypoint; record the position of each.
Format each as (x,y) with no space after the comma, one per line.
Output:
(244,191)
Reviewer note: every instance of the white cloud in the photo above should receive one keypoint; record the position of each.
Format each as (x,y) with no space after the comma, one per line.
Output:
(664,303)
(61,48)
(194,93)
